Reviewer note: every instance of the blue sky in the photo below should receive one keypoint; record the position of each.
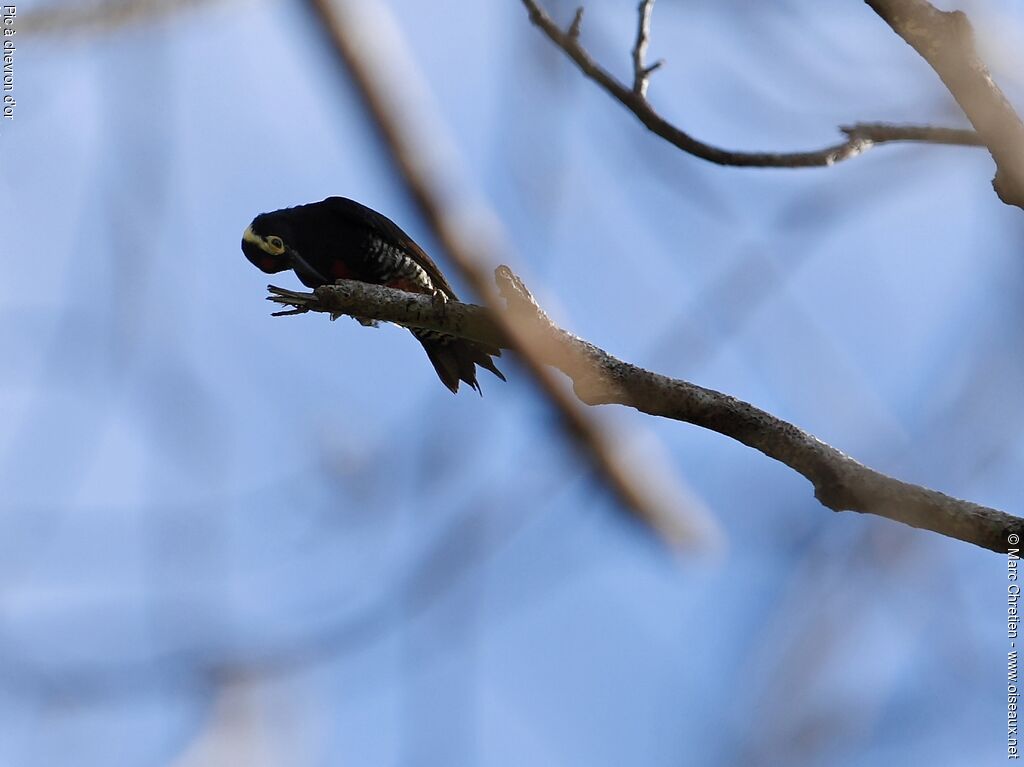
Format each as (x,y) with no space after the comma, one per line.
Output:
(228,538)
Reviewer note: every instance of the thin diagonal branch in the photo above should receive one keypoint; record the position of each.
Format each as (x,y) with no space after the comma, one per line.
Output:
(946,41)
(840,482)
(358,33)
(859,137)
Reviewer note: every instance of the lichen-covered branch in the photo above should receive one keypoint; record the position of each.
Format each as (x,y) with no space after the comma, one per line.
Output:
(378,302)
(840,483)
(945,40)
(860,137)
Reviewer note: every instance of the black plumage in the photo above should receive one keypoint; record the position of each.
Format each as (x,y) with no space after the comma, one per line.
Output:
(339,238)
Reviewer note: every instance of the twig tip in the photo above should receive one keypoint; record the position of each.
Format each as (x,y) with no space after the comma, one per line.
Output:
(577,24)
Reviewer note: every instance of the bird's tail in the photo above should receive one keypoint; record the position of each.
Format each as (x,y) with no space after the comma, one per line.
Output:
(455,359)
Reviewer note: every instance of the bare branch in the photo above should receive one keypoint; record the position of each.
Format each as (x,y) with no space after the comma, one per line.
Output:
(886,133)
(840,482)
(410,310)
(634,99)
(946,41)
(577,23)
(642,72)
(412,147)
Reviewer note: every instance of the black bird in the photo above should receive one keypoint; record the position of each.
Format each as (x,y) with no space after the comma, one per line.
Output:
(338,238)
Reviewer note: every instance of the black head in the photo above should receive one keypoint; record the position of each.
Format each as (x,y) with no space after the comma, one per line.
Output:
(265,244)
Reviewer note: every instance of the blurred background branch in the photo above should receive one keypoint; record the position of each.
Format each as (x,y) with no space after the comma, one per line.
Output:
(467,229)
(96,16)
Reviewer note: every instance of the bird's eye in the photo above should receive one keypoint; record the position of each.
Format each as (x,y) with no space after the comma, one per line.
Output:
(276,244)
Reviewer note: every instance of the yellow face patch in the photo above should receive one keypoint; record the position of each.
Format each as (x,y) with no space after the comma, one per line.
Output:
(272,245)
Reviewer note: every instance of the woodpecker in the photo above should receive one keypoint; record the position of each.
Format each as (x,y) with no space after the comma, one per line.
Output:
(338,238)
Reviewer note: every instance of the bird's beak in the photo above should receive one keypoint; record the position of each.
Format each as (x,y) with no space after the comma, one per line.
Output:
(299,264)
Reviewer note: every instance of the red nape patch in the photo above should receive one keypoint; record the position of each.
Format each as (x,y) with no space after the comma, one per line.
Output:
(403,283)
(340,271)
